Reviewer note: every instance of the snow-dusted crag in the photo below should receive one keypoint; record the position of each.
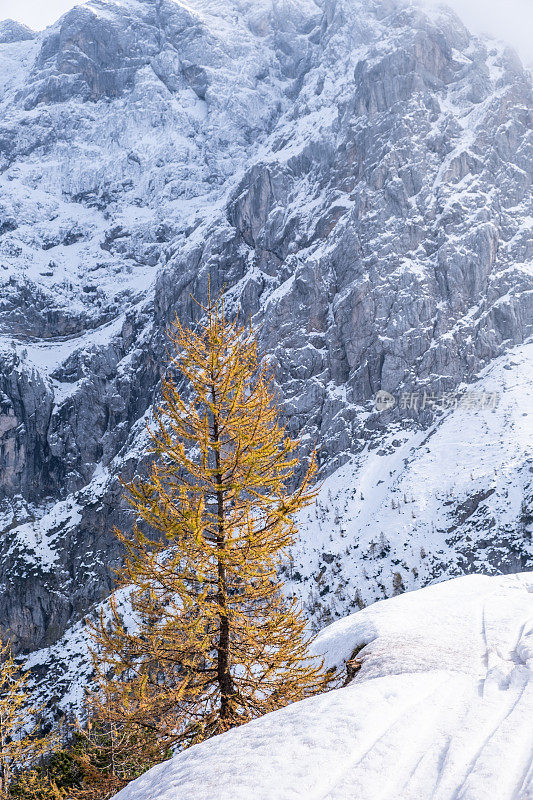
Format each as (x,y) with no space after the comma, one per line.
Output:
(358,176)
(438,704)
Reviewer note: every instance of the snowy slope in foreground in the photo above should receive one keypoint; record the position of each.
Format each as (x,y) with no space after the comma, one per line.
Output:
(442,707)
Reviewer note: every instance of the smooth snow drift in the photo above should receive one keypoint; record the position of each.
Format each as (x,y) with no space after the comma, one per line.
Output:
(441,708)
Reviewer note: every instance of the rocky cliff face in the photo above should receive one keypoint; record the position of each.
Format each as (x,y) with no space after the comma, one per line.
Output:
(358,176)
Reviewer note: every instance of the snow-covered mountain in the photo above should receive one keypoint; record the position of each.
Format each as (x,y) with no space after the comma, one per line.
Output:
(357,174)
(439,706)
(426,503)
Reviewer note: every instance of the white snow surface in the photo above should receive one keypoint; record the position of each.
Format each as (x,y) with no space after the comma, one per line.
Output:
(441,708)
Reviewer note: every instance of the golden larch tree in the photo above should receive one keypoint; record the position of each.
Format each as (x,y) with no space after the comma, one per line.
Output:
(214,642)
(21,745)
(108,755)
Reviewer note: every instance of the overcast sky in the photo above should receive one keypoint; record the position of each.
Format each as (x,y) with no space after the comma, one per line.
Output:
(507,19)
